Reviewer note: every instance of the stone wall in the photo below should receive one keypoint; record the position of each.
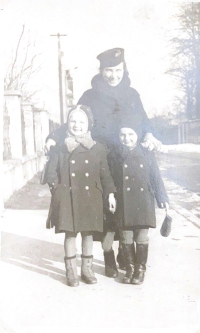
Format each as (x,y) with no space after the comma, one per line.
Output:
(25,130)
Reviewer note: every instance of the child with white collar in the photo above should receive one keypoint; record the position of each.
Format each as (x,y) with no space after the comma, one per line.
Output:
(80,180)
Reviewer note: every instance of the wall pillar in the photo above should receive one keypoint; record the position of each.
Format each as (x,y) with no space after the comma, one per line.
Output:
(1,112)
(12,101)
(27,110)
(37,130)
(41,128)
(45,125)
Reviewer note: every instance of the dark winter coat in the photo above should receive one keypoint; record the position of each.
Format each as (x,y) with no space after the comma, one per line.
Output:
(83,180)
(138,181)
(110,107)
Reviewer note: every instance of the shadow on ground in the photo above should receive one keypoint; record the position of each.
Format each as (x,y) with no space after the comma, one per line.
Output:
(40,256)
(31,196)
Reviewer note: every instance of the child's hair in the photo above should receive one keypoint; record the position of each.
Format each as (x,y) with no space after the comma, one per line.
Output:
(86,110)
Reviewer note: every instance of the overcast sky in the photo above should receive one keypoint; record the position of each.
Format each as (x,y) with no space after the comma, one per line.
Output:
(142,28)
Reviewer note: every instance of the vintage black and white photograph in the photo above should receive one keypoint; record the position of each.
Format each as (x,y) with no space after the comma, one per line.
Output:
(100,168)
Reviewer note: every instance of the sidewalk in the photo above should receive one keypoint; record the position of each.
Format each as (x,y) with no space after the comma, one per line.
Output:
(36,298)
(34,291)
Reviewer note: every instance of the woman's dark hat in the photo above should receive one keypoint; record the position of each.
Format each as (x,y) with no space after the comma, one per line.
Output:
(111,58)
(86,110)
(166,226)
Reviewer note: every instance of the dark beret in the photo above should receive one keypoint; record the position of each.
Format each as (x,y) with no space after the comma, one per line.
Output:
(111,58)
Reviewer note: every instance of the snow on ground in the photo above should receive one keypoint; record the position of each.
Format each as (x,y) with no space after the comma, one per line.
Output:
(184,147)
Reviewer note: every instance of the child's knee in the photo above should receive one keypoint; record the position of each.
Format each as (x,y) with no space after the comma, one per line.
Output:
(126,237)
(141,236)
(108,241)
(143,242)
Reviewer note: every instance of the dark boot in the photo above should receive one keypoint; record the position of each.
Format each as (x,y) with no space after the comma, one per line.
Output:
(140,266)
(120,259)
(129,255)
(87,274)
(110,264)
(71,271)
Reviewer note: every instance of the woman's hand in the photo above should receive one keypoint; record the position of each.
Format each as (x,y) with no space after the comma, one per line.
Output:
(112,203)
(150,142)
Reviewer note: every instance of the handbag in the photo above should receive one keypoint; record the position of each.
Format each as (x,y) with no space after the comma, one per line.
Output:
(43,176)
(166,226)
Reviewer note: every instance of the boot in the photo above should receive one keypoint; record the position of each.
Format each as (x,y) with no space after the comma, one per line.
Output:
(110,264)
(87,274)
(140,266)
(120,259)
(71,271)
(129,255)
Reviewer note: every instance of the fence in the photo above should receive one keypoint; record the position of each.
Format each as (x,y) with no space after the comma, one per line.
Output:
(25,131)
(189,131)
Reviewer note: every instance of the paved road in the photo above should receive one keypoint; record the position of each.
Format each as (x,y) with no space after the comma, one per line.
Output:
(184,171)
(182,179)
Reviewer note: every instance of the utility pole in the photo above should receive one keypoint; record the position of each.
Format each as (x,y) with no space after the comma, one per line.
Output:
(60,77)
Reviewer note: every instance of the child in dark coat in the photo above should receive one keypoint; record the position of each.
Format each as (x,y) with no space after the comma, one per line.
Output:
(138,181)
(79,179)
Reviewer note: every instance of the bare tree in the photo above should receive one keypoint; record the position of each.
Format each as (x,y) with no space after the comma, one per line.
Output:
(23,67)
(186,56)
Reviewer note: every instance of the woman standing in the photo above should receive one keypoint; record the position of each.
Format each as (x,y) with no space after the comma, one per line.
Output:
(111,99)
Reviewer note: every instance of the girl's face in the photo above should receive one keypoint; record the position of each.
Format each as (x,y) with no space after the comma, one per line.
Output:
(78,123)
(113,75)
(128,137)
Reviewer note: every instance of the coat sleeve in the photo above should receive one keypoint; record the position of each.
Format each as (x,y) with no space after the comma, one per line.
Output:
(58,134)
(85,99)
(105,175)
(113,164)
(140,114)
(52,171)
(157,181)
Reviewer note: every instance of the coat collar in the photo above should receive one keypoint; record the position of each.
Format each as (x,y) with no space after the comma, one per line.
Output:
(116,95)
(77,150)
(124,152)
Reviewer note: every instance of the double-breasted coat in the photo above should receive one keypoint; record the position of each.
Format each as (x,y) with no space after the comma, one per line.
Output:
(83,181)
(138,182)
